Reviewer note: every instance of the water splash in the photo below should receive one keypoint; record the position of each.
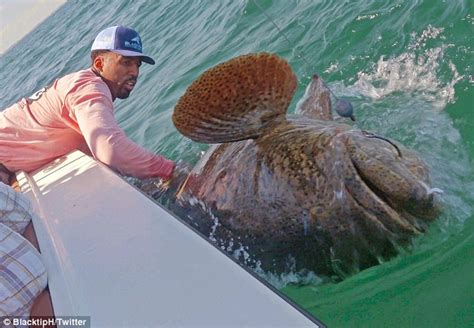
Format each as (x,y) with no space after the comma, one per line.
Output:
(417,72)
(410,73)
(332,68)
(419,41)
(292,277)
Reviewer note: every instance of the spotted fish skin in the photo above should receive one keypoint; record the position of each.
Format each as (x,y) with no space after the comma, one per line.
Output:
(299,187)
(233,100)
(333,198)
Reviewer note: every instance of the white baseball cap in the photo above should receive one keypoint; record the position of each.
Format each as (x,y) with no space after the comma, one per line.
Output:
(123,41)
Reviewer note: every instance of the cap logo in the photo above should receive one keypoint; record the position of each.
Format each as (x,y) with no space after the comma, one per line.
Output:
(134,43)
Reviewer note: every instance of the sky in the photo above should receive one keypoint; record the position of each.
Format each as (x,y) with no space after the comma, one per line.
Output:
(19,17)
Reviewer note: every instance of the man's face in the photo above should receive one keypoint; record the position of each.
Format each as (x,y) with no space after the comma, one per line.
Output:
(120,73)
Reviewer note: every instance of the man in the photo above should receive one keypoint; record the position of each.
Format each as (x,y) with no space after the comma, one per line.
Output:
(77,112)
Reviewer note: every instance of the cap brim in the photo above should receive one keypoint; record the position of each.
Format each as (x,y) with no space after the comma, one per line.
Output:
(129,53)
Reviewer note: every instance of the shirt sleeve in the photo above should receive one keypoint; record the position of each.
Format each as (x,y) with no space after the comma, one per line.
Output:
(108,143)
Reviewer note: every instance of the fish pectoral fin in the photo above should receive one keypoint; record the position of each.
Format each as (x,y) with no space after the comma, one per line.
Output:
(236,99)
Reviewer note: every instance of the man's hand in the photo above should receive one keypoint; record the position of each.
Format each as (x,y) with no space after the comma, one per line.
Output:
(180,173)
(158,188)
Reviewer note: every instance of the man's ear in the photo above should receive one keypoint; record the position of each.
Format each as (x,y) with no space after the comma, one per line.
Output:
(99,63)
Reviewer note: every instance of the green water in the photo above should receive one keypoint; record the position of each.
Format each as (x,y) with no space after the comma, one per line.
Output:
(407,66)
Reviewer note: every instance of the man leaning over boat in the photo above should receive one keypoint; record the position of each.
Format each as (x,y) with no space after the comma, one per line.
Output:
(75,112)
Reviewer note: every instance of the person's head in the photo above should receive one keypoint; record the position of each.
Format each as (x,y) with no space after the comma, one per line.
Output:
(116,55)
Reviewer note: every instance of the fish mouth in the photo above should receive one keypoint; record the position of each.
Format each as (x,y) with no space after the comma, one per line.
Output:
(405,213)
(380,210)
(387,189)
(392,218)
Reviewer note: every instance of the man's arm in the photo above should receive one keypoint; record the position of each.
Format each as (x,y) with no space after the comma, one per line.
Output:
(108,142)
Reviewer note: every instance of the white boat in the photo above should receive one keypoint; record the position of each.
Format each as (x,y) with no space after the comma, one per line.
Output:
(113,254)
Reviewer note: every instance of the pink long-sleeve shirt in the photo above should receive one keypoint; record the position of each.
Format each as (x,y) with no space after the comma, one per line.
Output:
(76,112)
